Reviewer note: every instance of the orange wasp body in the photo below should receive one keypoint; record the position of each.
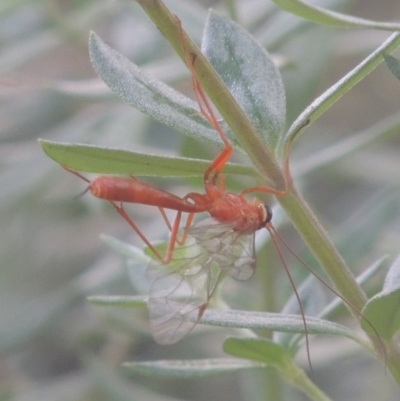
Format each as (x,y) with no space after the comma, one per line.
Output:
(224,206)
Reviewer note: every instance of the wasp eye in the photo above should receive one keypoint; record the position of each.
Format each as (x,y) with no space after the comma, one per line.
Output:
(268,214)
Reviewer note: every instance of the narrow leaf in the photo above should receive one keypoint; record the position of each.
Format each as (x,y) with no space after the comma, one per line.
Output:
(288,339)
(148,95)
(392,281)
(335,92)
(363,278)
(331,18)
(249,73)
(273,321)
(94,159)
(115,300)
(393,65)
(260,350)
(383,310)
(191,368)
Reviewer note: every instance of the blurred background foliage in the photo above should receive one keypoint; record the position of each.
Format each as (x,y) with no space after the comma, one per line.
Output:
(54,345)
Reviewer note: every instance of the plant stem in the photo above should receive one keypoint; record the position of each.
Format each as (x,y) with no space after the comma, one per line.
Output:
(322,248)
(300,380)
(393,362)
(247,137)
(327,255)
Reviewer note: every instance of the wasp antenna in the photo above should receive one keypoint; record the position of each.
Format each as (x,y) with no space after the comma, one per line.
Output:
(322,281)
(273,234)
(82,193)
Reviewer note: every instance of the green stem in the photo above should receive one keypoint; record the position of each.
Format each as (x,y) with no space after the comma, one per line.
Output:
(329,97)
(322,248)
(297,378)
(316,238)
(247,137)
(271,386)
(393,362)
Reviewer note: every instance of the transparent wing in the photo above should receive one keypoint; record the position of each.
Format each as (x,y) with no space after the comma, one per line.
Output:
(232,251)
(181,290)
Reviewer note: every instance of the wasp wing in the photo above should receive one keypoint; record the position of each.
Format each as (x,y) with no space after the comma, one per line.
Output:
(180,293)
(233,251)
(181,290)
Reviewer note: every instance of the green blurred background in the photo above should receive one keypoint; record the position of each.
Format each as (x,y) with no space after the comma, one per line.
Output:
(54,345)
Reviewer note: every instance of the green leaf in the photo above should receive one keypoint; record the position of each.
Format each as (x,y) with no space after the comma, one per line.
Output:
(392,281)
(191,368)
(274,355)
(331,18)
(393,65)
(383,310)
(363,278)
(116,300)
(250,75)
(335,92)
(94,159)
(260,350)
(316,303)
(275,321)
(148,95)
(271,321)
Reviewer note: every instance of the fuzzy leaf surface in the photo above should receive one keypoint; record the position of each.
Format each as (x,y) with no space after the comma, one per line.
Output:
(149,95)
(118,300)
(100,160)
(192,367)
(383,310)
(274,321)
(322,103)
(250,75)
(260,350)
(393,65)
(331,18)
